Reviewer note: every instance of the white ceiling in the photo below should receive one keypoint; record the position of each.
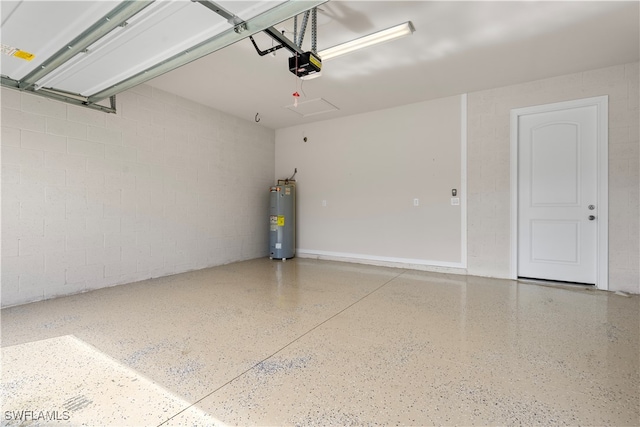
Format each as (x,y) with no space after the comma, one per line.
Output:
(458,47)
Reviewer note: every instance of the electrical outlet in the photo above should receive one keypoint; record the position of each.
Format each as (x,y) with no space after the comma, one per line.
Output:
(416,202)
(455,201)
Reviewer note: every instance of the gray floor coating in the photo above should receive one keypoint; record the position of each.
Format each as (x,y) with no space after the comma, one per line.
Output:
(309,342)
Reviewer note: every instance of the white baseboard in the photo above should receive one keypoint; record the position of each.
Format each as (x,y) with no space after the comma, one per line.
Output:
(413,264)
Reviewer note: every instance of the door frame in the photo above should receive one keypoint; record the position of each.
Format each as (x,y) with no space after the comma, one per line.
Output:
(602,134)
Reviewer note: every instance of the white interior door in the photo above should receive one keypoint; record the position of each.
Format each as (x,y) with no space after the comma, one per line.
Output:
(558,195)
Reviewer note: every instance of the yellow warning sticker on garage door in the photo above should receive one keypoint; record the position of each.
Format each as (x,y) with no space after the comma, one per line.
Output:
(24,55)
(12,51)
(280,220)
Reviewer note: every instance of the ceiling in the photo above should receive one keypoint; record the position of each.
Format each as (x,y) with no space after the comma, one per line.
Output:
(457,47)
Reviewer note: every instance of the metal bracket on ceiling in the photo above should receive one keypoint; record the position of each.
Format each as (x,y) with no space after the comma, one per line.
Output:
(240,25)
(303,28)
(314,30)
(298,38)
(294,46)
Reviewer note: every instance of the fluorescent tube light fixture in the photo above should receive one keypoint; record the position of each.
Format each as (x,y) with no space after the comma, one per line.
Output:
(381,36)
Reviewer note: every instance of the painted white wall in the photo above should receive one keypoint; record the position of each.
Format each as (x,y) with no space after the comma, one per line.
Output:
(369,168)
(357,164)
(92,199)
(488,167)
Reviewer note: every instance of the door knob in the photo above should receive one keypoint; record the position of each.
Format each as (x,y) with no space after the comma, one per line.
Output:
(591,217)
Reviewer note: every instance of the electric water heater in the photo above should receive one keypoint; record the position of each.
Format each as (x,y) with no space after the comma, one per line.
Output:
(282,221)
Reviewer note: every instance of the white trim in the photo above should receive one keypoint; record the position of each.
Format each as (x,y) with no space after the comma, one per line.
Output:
(513,185)
(463,180)
(415,264)
(603,193)
(601,103)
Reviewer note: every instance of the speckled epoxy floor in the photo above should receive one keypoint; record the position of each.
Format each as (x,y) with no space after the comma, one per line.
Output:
(309,342)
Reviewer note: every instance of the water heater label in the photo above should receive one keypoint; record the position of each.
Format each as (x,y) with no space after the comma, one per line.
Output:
(273,219)
(287,191)
(278,245)
(281,220)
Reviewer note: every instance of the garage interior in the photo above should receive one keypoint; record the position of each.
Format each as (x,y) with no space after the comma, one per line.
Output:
(136,283)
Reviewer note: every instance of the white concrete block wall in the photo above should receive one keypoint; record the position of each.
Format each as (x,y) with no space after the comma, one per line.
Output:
(92,199)
(488,167)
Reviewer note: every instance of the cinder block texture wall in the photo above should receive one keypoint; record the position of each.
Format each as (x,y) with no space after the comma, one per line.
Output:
(92,199)
(489,156)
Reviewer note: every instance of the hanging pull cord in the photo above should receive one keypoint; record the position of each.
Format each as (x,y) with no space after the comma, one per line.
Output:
(296,95)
